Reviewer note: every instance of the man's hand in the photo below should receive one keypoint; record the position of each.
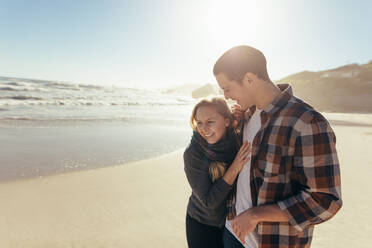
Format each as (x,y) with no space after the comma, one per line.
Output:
(244,224)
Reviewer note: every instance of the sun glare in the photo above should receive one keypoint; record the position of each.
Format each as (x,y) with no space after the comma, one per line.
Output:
(228,23)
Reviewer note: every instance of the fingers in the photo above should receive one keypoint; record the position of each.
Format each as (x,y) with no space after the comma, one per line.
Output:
(244,148)
(238,233)
(245,145)
(245,156)
(236,107)
(241,149)
(246,159)
(234,227)
(241,237)
(244,151)
(238,112)
(238,116)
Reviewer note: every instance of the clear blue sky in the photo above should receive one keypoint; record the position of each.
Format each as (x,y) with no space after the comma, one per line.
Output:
(160,43)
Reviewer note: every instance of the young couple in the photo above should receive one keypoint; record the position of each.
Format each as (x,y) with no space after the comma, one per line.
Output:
(268,181)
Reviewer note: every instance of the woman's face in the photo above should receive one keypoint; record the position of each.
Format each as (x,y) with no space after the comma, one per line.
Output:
(210,124)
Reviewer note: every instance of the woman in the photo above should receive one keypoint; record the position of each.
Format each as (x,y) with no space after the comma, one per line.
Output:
(211,170)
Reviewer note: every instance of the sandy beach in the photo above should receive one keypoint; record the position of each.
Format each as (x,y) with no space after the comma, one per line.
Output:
(96,100)
(143,204)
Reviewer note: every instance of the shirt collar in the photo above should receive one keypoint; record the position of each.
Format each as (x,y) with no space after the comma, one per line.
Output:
(281,100)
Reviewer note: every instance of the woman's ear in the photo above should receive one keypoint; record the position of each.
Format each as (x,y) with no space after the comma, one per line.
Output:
(227,122)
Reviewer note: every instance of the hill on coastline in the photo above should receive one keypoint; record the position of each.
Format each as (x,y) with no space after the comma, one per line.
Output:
(343,89)
(346,89)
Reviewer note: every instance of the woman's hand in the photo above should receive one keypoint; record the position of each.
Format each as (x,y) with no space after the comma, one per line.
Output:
(242,157)
(238,112)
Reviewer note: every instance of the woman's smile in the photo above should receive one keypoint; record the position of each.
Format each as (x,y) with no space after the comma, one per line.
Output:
(208,135)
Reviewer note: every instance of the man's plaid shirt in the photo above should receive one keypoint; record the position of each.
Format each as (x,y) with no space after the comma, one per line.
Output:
(294,164)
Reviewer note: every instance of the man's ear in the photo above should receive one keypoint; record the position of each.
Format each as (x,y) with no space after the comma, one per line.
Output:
(249,78)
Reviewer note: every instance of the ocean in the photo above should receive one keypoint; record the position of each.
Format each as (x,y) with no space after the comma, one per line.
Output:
(50,127)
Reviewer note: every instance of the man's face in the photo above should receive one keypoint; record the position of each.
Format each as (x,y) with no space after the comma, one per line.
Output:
(236,91)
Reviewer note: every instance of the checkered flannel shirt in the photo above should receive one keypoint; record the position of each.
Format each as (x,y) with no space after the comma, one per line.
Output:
(294,164)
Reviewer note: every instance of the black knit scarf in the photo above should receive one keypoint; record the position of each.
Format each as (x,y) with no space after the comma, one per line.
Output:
(222,151)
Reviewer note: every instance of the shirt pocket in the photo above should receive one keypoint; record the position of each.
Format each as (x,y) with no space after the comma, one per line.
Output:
(274,160)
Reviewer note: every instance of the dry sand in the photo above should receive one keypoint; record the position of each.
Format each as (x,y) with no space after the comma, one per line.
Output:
(143,204)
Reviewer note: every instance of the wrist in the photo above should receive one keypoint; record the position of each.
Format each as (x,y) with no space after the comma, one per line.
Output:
(268,213)
(233,169)
(255,214)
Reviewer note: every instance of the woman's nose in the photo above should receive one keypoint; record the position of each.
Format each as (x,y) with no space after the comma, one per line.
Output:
(204,128)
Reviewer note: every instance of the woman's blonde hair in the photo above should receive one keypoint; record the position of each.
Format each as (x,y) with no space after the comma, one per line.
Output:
(219,105)
(216,169)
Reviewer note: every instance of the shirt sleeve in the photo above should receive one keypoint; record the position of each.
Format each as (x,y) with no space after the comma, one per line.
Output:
(316,172)
(211,195)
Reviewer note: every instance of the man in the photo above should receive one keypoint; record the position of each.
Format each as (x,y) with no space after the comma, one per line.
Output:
(292,180)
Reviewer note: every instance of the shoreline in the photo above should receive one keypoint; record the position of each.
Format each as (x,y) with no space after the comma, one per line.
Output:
(82,170)
(32,152)
(41,164)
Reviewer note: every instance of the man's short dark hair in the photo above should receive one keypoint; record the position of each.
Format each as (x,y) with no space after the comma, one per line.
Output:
(239,60)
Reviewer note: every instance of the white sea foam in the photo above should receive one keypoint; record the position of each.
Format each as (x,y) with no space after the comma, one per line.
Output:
(37,99)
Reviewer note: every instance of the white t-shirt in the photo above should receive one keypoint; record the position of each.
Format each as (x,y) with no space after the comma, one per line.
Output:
(243,193)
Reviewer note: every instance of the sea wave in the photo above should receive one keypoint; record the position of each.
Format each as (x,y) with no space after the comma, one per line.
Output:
(63,119)
(20,97)
(13,83)
(24,89)
(10,89)
(37,101)
(138,119)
